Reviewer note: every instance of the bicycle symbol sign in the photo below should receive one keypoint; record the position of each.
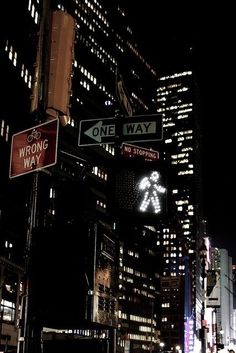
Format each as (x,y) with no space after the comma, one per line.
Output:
(34,149)
(34,135)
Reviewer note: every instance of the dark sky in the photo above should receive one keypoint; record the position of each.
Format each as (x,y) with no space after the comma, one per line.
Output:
(166,32)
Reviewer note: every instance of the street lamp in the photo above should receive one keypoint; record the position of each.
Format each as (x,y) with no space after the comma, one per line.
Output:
(162,344)
(178,349)
(203,255)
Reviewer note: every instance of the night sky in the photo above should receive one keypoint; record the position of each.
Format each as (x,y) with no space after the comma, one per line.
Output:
(172,34)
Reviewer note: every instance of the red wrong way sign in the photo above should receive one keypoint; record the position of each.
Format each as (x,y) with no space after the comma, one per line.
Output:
(34,149)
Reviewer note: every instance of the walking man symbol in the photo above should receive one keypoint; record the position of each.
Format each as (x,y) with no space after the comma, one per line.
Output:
(151,190)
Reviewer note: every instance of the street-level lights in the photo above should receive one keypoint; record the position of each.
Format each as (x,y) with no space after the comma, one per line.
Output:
(162,344)
(178,349)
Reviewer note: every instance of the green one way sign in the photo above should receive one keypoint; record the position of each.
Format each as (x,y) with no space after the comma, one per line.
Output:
(138,128)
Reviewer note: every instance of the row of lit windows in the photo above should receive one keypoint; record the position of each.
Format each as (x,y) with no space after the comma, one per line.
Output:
(4,130)
(133,253)
(163,99)
(144,328)
(87,23)
(95,51)
(172,274)
(8,244)
(128,279)
(173,248)
(100,173)
(103,51)
(185,172)
(163,93)
(137,76)
(137,337)
(86,84)
(183,133)
(97,24)
(93,79)
(135,51)
(135,272)
(180,161)
(173,254)
(97,12)
(181,202)
(128,269)
(7,310)
(140,319)
(182,116)
(122,315)
(169,124)
(139,101)
(95,2)
(101,204)
(180,155)
(168,261)
(182,74)
(171,236)
(86,73)
(175,107)
(109,148)
(33,12)
(143,292)
(12,55)
(86,333)
(184,89)
(52,193)
(151,287)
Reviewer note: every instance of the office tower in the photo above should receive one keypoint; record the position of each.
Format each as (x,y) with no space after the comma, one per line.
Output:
(61,212)
(177,102)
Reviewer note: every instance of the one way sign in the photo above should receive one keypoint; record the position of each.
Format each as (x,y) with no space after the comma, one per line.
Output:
(139,128)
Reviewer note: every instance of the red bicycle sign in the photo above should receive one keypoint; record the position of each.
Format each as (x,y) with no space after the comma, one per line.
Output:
(34,149)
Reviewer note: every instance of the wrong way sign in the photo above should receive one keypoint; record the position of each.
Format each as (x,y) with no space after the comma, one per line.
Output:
(140,128)
(34,149)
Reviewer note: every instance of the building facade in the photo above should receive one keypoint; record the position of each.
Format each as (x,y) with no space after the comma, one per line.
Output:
(177,102)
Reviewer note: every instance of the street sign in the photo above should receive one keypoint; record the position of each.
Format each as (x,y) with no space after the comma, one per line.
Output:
(132,151)
(34,149)
(139,128)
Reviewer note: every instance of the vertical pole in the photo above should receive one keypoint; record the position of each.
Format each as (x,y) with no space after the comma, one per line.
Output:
(28,327)
(28,336)
(94,270)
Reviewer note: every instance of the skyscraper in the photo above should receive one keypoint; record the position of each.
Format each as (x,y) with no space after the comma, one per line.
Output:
(178,104)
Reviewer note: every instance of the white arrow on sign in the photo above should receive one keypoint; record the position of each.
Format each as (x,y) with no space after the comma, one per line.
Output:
(147,127)
(98,131)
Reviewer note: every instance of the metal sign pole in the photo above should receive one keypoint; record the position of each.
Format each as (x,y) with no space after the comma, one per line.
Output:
(26,336)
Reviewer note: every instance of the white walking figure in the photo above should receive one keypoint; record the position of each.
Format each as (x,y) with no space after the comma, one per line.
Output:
(150,186)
